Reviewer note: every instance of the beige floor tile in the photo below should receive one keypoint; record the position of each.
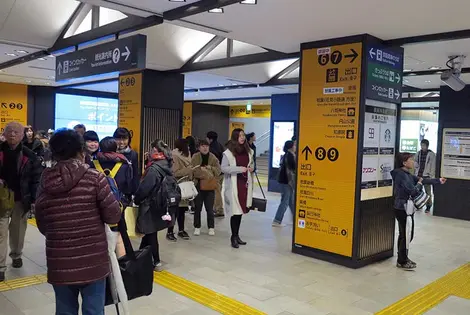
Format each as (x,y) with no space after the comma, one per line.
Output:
(452,305)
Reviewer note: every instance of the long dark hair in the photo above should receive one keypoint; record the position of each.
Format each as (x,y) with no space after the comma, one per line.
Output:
(402,158)
(288,145)
(26,129)
(182,146)
(162,147)
(192,143)
(234,146)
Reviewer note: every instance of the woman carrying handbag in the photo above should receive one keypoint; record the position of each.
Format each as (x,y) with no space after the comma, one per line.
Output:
(408,194)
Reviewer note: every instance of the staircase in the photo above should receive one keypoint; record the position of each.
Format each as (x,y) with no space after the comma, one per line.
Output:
(262,164)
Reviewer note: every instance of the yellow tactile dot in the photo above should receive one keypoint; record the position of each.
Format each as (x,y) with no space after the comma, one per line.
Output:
(22,282)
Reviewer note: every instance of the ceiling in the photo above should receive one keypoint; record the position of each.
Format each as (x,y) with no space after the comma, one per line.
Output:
(33,25)
(263,101)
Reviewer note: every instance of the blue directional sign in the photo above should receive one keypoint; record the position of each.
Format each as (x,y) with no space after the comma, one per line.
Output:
(384,74)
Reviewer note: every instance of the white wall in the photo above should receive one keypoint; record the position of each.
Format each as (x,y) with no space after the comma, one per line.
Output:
(259,126)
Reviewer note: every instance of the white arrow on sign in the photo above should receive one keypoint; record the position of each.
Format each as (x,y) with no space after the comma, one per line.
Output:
(397,94)
(372,53)
(59,68)
(398,78)
(126,54)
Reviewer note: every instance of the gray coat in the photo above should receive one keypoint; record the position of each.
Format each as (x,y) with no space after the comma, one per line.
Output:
(430,167)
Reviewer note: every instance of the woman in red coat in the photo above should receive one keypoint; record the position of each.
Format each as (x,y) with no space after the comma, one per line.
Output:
(73,205)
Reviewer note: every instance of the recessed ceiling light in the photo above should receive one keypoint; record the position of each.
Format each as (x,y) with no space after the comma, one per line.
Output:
(407,70)
(21,51)
(177,0)
(427,81)
(43,59)
(28,81)
(11,55)
(434,68)
(411,74)
(217,10)
(234,84)
(249,2)
(48,83)
(221,85)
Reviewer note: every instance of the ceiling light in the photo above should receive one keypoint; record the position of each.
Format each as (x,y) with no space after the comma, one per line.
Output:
(427,81)
(48,83)
(217,10)
(221,85)
(249,2)
(407,70)
(234,84)
(43,59)
(28,81)
(51,77)
(11,55)
(434,68)
(177,0)
(21,51)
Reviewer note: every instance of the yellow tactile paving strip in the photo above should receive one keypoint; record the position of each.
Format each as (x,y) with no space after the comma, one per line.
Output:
(455,283)
(204,296)
(191,290)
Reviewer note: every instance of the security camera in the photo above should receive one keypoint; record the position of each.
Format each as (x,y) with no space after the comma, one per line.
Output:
(452,80)
(451,77)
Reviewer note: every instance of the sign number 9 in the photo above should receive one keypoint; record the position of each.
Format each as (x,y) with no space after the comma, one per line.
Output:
(333,154)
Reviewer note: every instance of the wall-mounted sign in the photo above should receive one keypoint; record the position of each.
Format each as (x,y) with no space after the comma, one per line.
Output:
(327,160)
(187,119)
(235,125)
(119,55)
(256,111)
(130,107)
(384,74)
(283,131)
(13,104)
(456,153)
(409,145)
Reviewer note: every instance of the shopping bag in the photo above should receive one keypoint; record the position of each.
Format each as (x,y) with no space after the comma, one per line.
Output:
(410,210)
(7,201)
(130,216)
(136,270)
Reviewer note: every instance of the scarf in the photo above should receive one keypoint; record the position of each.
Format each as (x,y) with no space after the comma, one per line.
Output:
(155,157)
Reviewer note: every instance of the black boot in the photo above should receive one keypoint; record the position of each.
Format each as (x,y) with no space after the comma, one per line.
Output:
(234,242)
(239,241)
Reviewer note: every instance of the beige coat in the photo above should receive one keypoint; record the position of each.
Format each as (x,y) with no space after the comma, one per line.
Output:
(210,171)
(182,169)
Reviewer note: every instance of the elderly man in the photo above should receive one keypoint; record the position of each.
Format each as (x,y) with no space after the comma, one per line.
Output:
(20,171)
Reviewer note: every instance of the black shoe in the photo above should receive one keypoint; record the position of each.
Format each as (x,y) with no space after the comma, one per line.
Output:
(183,235)
(412,262)
(17,263)
(428,209)
(407,266)
(2,276)
(171,237)
(239,241)
(234,241)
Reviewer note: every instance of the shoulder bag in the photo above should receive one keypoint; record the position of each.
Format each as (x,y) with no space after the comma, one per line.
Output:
(188,189)
(421,199)
(259,204)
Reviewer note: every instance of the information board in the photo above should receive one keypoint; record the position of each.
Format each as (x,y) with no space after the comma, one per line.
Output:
(456,153)
(257,111)
(130,107)
(327,161)
(13,104)
(378,149)
(187,119)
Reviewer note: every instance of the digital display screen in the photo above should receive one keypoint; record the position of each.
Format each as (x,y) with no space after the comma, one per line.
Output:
(97,114)
(283,131)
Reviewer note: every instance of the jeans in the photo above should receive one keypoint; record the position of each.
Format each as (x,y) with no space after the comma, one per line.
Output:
(207,198)
(152,241)
(287,200)
(16,227)
(93,298)
(401,215)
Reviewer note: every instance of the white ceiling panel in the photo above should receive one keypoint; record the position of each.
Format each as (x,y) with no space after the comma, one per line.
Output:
(5,8)
(218,52)
(112,87)
(241,49)
(37,22)
(158,7)
(241,93)
(264,101)
(18,51)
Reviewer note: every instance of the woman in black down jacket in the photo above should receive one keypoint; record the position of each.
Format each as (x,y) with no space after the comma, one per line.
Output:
(405,187)
(150,222)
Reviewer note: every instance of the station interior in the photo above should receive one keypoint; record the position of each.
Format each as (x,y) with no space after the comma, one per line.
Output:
(183,68)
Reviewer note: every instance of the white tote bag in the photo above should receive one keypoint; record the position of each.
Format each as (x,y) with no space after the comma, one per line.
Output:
(410,210)
(188,189)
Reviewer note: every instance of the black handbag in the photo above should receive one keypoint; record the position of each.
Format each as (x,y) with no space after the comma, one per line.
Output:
(136,270)
(259,204)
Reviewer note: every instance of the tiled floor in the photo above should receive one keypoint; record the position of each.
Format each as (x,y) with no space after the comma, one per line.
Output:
(267,276)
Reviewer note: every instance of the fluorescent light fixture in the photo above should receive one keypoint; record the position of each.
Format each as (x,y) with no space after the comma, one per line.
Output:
(28,81)
(217,10)
(427,81)
(407,70)
(48,83)
(42,59)
(52,77)
(434,68)
(21,51)
(221,85)
(11,55)
(177,0)
(249,2)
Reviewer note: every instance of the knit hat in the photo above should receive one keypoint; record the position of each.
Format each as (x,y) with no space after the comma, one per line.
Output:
(91,136)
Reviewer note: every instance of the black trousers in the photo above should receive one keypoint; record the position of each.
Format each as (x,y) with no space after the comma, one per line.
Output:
(180,217)
(152,241)
(235,222)
(401,216)
(206,198)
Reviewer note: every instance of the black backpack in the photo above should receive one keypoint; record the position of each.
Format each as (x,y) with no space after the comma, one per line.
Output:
(169,193)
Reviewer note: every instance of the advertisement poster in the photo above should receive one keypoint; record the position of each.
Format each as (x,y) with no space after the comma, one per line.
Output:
(413,131)
(14,104)
(456,154)
(283,131)
(327,146)
(97,114)
(378,150)
(130,107)
(187,119)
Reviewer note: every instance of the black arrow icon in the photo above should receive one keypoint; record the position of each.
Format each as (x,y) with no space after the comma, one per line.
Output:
(307,151)
(353,55)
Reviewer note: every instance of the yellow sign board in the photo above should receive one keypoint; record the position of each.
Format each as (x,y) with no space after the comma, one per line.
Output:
(13,104)
(130,107)
(257,111)
(235,125)
(328,132)
(187,119)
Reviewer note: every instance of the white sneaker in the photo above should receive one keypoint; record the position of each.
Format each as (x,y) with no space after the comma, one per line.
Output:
(275,224)
(211,232)
(197,232)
